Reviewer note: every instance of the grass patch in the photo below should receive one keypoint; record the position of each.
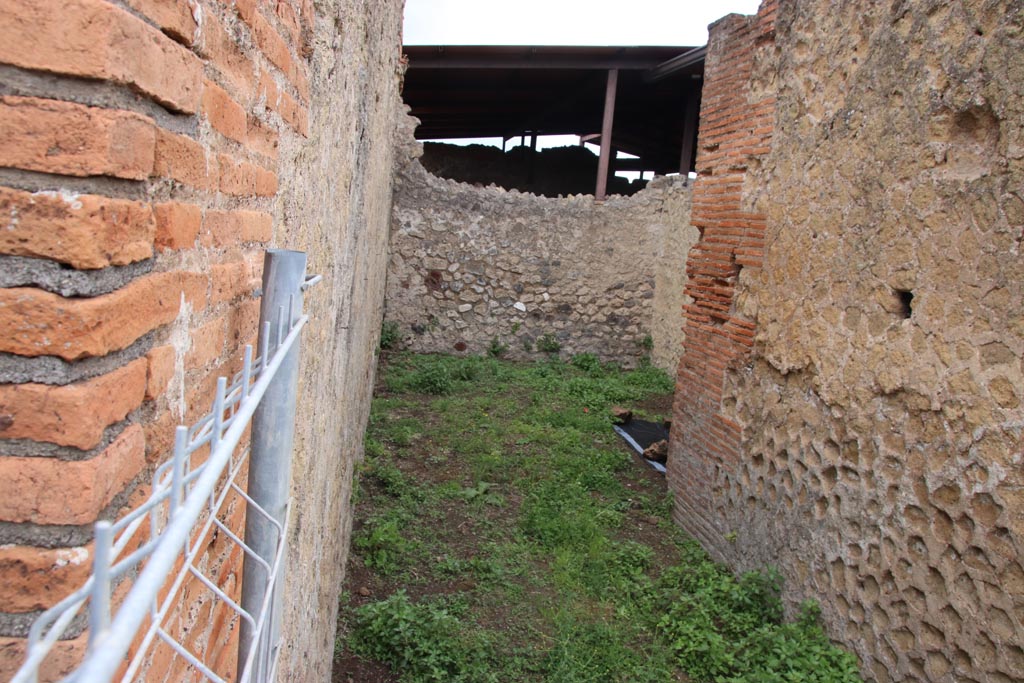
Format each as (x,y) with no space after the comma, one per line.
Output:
(504,534)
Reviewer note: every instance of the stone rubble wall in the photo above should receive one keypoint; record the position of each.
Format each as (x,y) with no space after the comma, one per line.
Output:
(151,151)
(551,172)
(473,264)
(873,428)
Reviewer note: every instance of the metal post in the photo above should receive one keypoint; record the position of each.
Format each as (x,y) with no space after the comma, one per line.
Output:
(606,135)
(273,430)
(690,122)
(531,165)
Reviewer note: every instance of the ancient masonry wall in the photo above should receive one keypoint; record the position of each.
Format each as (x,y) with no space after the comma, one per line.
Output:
(471,264)
(871,420)
(152,149)
(551,172)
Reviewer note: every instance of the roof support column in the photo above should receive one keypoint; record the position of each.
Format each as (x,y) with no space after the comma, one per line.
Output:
(689,132)
(606,135)
(531,164)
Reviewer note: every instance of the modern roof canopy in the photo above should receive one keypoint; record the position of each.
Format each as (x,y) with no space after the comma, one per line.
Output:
(640,100)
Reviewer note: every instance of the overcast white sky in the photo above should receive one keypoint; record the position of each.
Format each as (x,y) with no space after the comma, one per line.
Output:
(565,22)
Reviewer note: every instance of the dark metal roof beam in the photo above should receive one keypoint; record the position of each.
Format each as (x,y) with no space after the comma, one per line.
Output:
(545,62)
(676,64)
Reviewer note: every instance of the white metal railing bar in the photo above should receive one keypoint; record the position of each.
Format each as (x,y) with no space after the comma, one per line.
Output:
(177,531)
(102,663)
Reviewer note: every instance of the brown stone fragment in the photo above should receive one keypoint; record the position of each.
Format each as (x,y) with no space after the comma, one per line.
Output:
(177,225)
(620,415)
(185,160)
(159,370)
(657,451)
(223,113)
(228,228)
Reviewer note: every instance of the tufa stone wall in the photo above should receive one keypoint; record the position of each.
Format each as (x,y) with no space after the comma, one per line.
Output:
(470,264)
(874,451)
(151,151)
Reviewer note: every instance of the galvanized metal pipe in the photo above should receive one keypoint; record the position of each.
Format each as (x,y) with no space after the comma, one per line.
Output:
(104,661)
(273,430)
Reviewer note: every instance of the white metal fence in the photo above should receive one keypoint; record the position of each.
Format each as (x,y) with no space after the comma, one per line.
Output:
(143,560)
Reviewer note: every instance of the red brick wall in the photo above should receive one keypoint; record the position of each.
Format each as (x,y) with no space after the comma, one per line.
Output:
(138,170)
(735,133)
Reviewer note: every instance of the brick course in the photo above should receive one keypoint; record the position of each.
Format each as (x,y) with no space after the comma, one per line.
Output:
(78,328)
(181,158)
(95,39)
(174,17)
(84,231)
(71,139)
(27,485)
(735,133)
(38,578)
(146,161)
(74,414)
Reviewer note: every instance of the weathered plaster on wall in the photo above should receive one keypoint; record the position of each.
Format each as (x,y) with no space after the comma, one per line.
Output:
(336,206)
(881,454)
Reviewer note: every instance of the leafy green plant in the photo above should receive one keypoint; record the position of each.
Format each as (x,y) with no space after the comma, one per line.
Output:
(527,344)
(401,432)
(496,349)
(424,642)
(728,629)
(548,343)
(483,492)
(390,334)
(390,479)
(432,379)
(598,651)
(587,362)
(647,343)
(383,547)
(558,514)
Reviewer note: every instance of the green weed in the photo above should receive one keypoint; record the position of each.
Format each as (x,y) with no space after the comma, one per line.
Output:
(548,343)
(496,349)
(425,642)
(587,362)
(543,580)
(433,379)
(390,334)
(383,547)
(483,492)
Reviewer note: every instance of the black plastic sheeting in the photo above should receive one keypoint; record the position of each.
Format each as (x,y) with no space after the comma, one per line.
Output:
(640,434)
